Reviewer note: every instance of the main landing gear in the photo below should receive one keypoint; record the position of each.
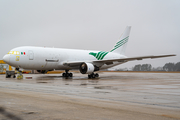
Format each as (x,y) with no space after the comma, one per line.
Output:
(90,76)
(66,74)
(93,75)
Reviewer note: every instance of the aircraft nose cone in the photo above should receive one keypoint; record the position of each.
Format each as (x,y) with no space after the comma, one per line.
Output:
(6,58)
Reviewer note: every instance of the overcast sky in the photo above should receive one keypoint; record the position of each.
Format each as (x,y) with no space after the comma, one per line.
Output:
(94,25)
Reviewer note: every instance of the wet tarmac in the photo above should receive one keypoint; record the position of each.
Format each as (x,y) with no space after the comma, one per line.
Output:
(154,94)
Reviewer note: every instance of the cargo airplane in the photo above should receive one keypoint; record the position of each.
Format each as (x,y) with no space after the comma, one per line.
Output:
(45,59)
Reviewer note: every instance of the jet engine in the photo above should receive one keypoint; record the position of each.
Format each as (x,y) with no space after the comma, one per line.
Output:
(87,68)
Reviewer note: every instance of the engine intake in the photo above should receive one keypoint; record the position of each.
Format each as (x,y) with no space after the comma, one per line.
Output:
(87,68)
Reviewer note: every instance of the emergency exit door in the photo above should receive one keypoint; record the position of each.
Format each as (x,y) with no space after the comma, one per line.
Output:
(31,55)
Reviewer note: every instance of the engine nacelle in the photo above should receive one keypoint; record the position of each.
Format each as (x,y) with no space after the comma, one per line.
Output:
(87,68)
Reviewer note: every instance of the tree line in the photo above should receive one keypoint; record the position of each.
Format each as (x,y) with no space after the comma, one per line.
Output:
(167,67)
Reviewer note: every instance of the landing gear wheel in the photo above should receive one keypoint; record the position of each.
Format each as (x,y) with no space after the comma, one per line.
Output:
(66,74)
(70,75)
(93,75)
(96,75)
(89,76)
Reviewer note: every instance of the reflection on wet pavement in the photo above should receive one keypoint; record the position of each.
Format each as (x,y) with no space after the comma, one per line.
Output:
(155,89)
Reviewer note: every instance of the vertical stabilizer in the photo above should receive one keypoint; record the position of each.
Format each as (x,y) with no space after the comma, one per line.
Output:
(121,44)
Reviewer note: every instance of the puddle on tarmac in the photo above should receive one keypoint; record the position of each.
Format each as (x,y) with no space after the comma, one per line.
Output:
(105,87)
(101,92)
(42,82)
(162,86)
(83,84)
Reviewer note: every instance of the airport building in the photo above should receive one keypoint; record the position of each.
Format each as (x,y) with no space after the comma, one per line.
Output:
(4,67)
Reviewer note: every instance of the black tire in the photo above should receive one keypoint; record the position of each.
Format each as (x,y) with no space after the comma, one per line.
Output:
(96,75)
(89,76)
(14,76)
(63,74)
(93,75)
(70,74)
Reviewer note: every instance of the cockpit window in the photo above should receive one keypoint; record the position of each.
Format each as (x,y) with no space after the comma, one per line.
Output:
(14,52)
(18,53)
(10,52)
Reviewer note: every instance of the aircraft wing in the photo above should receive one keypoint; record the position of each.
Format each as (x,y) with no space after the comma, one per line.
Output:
(110,61)
(135,58)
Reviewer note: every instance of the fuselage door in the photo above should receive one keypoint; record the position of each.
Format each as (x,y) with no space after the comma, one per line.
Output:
(31,55)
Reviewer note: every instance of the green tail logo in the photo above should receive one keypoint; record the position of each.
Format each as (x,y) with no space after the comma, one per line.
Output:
(120,43)
(100,55)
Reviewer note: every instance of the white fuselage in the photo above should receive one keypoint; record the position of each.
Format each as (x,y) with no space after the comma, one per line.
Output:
(43,58)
